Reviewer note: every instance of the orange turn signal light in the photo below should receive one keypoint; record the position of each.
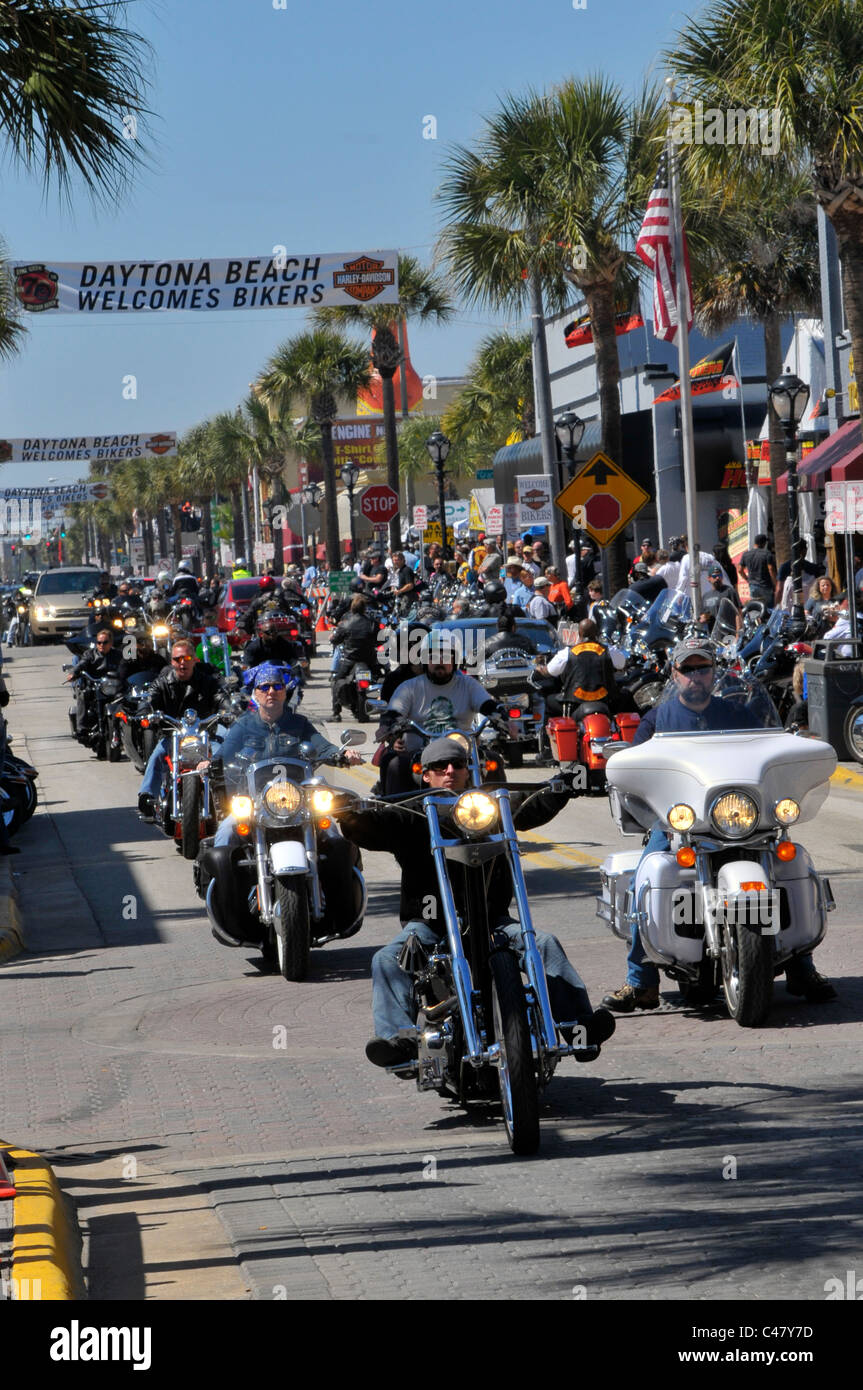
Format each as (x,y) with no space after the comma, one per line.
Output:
(786,851)
(491,765)
(753,886)
(324,822)
(686,857)
(242,828)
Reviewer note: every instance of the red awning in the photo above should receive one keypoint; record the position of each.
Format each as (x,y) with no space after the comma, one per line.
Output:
(842,452)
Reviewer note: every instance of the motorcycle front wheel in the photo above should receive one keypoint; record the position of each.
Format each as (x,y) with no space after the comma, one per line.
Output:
(292,930)
(516,1075)
(191,816)
(747,974)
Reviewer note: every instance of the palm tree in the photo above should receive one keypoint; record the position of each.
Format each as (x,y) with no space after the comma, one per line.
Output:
(12,328)
(497,402)
(802,60)
(553,191)
(312,369)
(422,297)
(72,92)
(765,269)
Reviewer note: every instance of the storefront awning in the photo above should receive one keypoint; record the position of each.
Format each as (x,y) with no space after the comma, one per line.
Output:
(841,452)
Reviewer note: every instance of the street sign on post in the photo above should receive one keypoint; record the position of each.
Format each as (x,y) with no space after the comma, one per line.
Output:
(534,500)
(421,516)
(601,499)
(340,581)
(379,503)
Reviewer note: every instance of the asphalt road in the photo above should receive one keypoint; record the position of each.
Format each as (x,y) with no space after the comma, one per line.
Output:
(224,1137)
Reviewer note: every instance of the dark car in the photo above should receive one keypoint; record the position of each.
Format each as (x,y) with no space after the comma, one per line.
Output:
(475,632)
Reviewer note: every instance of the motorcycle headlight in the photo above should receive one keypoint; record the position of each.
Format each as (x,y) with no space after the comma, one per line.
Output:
(322,801)
(282,798)
(681,817)
(130,622)
(241,807)
(160,631)
(475,812)
(118,622)
(786,811)
(191,746)
(734,814)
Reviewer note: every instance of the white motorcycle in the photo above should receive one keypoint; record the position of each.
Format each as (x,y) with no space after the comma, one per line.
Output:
(731,898)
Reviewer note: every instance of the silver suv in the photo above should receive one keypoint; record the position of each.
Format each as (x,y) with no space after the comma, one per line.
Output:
(59,605)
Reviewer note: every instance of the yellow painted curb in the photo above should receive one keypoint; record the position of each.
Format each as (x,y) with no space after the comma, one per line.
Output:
(847,777)
(45,1248)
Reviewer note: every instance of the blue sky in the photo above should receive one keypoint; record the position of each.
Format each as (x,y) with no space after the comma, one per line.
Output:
(300,126)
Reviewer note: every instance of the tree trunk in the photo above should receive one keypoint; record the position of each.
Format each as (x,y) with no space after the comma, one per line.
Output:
(779,503)
(177,538)
(331,515)
(209,553)
(247,530)
(147,537)
(237,521)
(410,497)
(849,235)
(162,528)
(600,301)
(277,499)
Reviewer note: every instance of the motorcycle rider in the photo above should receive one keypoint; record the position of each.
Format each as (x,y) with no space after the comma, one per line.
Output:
(106,588)
(695,708)
(268,597)
(188,684)
(239,570)
(406,835)
(102,659)
(271,644)
(356,637)
(586,674)
(438,699)
(508,636)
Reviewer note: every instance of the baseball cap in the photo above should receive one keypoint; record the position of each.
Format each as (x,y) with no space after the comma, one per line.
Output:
(542,583)
(443,749)
(714,572)
(693,646)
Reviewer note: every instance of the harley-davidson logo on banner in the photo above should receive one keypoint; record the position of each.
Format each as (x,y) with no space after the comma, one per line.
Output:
(580,332)
(91,446)
(712,373)
(279,281)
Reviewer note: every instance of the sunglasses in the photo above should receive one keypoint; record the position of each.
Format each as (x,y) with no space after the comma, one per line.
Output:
(102,642)
(694,670)
(269,687)
(179,660)
(456,763)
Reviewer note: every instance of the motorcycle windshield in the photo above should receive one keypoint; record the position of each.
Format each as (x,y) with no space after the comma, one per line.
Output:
(278,770)
(633,606)
(731,702)
(281,751)
(724,630)
(665,615)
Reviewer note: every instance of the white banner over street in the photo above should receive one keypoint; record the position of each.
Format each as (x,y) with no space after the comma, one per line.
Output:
(62,494)
(277,281)
(91,446)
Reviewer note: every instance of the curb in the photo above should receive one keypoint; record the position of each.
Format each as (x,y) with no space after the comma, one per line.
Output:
(847,777)
(11,926)
(46,1248)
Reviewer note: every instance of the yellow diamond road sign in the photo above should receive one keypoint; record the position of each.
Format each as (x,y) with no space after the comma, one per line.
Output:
(601,499)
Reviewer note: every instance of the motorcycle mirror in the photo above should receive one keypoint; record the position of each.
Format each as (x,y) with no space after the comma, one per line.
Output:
(352,738)
(377,706)
(189,715)
(306,751)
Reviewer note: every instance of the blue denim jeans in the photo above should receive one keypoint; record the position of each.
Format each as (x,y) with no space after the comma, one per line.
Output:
(392,988)
(640,972)
(155,770)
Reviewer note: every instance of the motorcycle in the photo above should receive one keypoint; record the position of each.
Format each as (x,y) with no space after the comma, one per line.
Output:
(295,883)
(732,898)
(185,613)
(184,807)
(129,708)
(102,734)
(507,675)
(587,741)
(485,1031)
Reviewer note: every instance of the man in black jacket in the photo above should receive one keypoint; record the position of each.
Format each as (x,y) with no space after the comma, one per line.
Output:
(102,659)
(356,638)
(405,834)
(188,684)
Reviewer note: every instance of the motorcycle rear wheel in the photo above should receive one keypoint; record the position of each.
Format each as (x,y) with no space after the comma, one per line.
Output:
(292,930)
(747,974)
(191,816)
(516,1076)
(853,731)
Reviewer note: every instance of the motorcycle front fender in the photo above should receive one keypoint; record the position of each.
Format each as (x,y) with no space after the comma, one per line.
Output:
(288,857)
(757,909)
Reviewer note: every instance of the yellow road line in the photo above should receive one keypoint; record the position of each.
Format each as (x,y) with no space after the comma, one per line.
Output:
(45,1263)
(847,777)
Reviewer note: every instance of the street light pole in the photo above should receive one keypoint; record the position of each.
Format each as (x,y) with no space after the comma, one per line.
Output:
(438,447)
(312,498)
(350,473)
(789,396)
(570,431)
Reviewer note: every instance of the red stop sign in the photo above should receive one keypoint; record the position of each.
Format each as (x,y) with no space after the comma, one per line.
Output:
(602,511)
(379,503)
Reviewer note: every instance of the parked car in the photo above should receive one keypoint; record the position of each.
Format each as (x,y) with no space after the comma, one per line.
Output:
(59,606)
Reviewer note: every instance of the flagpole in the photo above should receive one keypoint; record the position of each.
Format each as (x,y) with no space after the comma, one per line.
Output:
(686,427)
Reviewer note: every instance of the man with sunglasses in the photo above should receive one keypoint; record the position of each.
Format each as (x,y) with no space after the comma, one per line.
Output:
(187,683)
(405,835)
(694,708)
(102,659)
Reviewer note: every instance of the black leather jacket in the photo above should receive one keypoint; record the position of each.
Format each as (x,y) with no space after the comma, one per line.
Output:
(203,692)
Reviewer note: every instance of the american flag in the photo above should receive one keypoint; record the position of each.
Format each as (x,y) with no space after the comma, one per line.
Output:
(654,246)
